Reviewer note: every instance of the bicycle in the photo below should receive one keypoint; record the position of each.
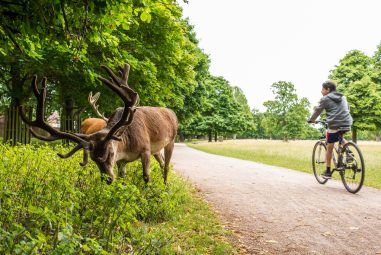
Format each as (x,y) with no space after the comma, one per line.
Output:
(347,159)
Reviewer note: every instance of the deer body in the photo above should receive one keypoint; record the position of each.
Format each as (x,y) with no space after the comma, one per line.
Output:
(92,125)
(131,132)
(151,130)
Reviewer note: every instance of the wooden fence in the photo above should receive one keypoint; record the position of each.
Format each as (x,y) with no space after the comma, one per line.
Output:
(70,123)
(15,130)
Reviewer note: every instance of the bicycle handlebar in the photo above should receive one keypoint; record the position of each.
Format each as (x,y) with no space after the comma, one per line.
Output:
(323,122)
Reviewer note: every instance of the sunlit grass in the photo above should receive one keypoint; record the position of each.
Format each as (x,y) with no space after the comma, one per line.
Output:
(293,154)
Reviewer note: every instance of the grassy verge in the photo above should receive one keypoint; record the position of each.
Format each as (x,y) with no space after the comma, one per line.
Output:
(53,206)
(294,154)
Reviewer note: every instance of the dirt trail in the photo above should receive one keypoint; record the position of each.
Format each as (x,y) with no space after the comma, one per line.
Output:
(275,210)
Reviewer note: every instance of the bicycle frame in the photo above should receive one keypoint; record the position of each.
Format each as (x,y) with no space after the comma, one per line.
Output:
(337,150)
(336,154)
(347,160)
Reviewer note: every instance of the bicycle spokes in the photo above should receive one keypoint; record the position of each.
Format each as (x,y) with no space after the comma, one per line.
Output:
(318,161)
(353,169)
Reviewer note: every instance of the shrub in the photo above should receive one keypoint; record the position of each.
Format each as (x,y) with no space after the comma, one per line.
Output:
(50,205)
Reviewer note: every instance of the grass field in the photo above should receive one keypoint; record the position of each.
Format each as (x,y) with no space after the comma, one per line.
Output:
(293,154)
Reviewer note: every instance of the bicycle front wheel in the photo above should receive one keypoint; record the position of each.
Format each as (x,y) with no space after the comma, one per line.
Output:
(353,169)
(318,161)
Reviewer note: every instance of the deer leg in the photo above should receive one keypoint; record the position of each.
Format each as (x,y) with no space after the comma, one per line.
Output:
(159,159)
(145,156)
(121,168)
(167,155)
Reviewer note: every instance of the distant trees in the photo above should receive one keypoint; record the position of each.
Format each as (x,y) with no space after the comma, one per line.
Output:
(286,115)
(225,110)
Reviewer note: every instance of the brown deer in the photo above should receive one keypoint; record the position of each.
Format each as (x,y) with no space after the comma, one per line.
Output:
(131,132)
(92,125)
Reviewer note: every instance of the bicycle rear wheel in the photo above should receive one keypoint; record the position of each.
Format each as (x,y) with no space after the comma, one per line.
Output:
(318,161)
(353,171)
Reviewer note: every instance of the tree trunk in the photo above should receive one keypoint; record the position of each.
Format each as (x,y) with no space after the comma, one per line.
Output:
(354,135)
(182,137)
(215,136)
(210,136)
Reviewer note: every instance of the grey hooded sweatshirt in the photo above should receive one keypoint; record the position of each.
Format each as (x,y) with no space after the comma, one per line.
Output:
(336,106)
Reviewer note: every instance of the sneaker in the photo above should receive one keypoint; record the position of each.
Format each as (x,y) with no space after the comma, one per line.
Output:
(327,174)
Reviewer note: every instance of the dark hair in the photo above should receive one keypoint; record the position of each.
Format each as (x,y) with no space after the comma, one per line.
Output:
(331,85)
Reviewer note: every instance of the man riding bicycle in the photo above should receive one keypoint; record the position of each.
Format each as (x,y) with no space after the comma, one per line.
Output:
(339,119)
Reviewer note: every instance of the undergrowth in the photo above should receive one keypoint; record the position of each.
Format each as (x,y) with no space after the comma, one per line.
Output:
(50,205)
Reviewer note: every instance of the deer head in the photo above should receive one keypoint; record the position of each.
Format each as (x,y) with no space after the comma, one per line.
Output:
(97,144)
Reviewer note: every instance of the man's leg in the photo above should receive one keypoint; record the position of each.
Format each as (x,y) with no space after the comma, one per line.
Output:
(328,160)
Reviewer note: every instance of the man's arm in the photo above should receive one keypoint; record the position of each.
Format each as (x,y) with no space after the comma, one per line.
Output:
(317,111)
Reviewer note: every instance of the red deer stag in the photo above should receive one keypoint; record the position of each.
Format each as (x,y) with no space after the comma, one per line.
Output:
(92,125)
(131,132)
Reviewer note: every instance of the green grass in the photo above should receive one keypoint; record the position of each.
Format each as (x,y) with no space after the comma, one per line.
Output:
(50,205)
(293,154)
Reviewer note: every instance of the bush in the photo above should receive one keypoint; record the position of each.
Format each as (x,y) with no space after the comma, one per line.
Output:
(53,206)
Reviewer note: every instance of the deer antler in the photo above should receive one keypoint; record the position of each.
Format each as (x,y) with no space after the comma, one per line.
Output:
(93,100)
(53,133)
(130,98)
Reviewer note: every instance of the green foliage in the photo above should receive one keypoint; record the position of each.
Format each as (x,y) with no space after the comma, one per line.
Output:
(354,66)
(286,115)
(67,41)
(364,97)
(225,110)
(358,77)
(257,130)
(53,206)
(376,74)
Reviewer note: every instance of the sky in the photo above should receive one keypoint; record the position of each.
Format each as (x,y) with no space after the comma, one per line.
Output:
(255,43)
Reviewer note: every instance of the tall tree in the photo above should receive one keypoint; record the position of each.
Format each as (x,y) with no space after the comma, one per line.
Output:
(286,115)
(245,120)
(257,130)
(376,75)
(222,113)
(354,78)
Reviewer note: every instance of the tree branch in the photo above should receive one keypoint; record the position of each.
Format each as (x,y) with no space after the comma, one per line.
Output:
(10,35)
(12,3)
(64,16)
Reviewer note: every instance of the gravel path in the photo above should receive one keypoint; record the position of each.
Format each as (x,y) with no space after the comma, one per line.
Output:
(274,210)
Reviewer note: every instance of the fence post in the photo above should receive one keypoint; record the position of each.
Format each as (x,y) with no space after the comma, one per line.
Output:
(70,123)
(15,130)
